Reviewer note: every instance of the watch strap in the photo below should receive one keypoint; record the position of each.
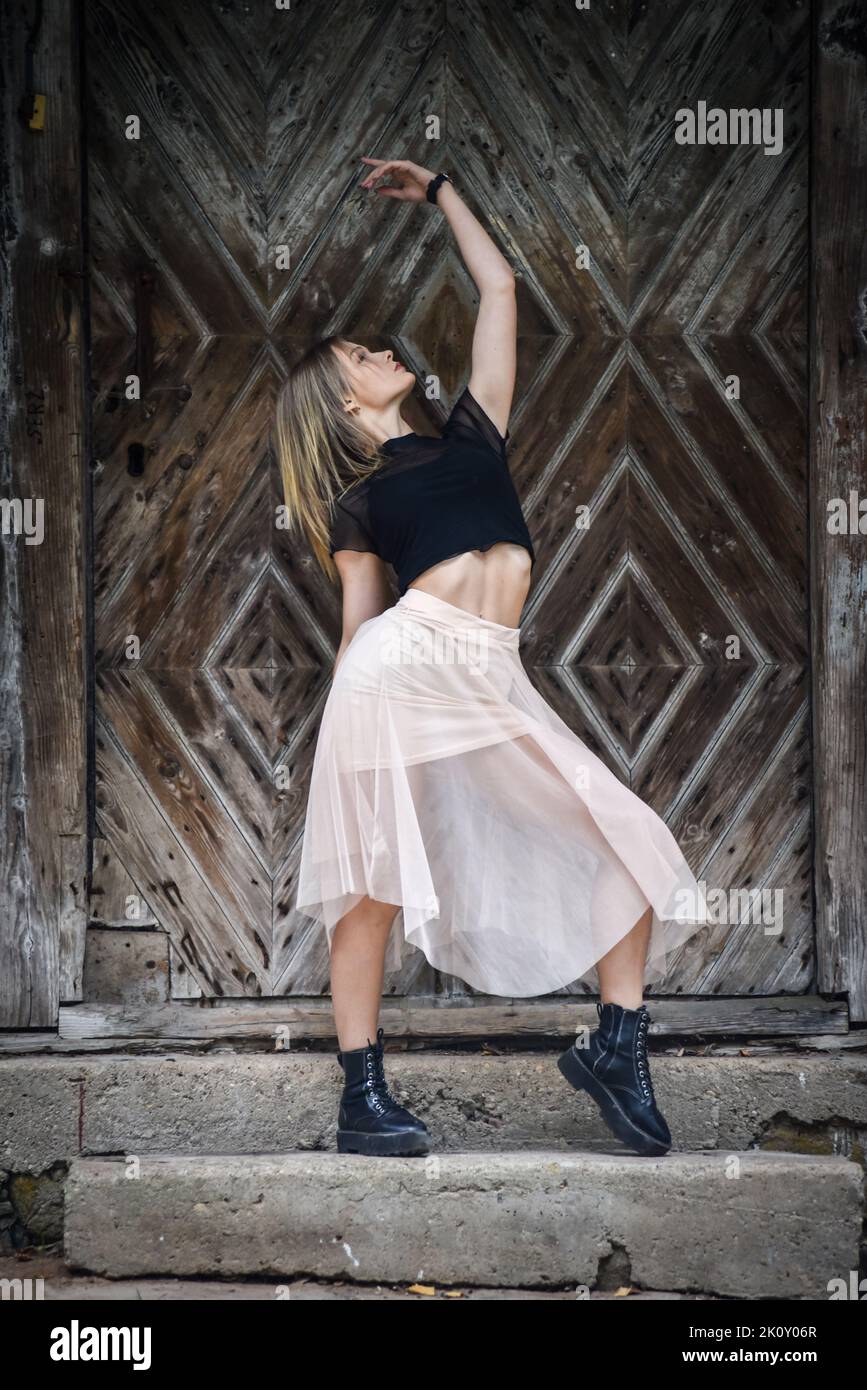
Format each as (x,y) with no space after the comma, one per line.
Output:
(433,186)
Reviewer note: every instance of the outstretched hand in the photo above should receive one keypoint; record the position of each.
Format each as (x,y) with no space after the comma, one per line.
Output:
(410,184)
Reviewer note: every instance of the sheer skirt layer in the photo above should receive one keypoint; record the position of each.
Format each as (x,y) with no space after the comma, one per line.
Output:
(444,783)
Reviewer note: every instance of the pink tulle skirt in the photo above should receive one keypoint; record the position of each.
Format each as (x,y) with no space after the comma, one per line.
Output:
(442,782)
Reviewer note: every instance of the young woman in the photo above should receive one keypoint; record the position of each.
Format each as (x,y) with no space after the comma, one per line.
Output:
(443,785)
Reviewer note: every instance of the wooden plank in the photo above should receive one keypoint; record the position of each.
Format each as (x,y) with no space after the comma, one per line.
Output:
(209,779)
(182,982)
(114,899)
(691,534)
(784,1015)
(191,403)
(42,785)
(72,907)
(838,469)
(210,610)
(551,134)
(36,1043)
(371,88)
(223,953)
(175,521)
(50,1044)
(137,72)
(739,489)
(762,850)
(738,56)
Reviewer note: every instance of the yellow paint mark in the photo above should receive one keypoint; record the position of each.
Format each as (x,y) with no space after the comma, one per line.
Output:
(37,120)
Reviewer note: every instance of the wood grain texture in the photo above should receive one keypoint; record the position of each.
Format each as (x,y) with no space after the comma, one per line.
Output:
(307,1019)
(43,844)
(114,899)
(228,958)
(838,447)
(671,633)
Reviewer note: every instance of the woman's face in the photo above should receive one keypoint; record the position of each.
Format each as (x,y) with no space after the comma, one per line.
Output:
(375,378)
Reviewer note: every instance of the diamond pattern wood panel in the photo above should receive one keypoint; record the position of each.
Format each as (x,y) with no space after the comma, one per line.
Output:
(670,630)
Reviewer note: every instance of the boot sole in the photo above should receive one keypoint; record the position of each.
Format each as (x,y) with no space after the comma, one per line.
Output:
(580,1076)
(382,1145)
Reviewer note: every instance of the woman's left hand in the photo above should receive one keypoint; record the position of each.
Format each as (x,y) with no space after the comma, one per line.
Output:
(412,180)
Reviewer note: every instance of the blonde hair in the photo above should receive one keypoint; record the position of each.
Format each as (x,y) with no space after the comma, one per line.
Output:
(320,449)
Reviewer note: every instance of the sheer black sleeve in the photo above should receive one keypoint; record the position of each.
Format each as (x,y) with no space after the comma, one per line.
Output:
(350,523)
(469,421)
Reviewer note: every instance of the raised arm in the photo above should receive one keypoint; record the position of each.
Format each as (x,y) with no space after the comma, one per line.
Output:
(492,375)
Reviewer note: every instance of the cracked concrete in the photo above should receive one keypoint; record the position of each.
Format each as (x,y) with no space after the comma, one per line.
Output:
(54,1107)
(482,1109)
(780,1226)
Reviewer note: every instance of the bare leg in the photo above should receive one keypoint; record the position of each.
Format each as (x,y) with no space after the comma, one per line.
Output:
(357,969)
(621,970)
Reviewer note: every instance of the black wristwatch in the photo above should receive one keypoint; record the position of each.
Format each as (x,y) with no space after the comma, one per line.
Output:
(434,185)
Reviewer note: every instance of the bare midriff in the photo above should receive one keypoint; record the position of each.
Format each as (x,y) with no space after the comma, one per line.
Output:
(491,583)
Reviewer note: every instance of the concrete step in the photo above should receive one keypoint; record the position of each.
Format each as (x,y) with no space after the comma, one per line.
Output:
(54,1107)
(48,1278)
(752,1225)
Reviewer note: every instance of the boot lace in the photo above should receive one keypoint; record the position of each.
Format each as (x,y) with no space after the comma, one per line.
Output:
(641,1058)
(376,1085)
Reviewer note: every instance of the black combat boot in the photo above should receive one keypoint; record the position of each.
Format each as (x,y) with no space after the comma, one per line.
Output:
(613,1069)
(370,1120)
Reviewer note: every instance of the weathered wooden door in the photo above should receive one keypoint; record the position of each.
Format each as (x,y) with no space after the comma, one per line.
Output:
(668,621)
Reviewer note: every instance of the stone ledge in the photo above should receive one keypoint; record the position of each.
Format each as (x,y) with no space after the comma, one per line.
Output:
(59,1285)
(53,1108)
(754,1225)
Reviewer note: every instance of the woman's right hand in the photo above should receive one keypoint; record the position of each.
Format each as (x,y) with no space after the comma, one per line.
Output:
(412,179)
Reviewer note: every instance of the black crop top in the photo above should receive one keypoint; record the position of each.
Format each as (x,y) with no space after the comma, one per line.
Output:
(434,498)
